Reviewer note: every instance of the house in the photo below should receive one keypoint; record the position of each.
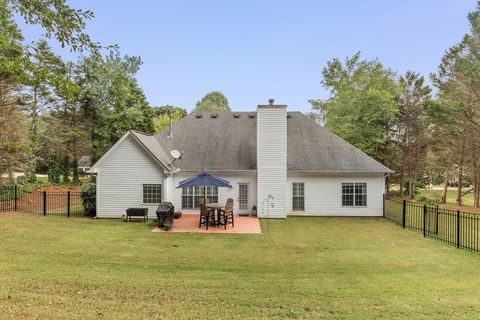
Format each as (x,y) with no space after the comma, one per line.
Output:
(283,163)
(84,164)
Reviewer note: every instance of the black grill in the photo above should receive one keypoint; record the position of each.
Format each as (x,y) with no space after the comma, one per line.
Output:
(165,211)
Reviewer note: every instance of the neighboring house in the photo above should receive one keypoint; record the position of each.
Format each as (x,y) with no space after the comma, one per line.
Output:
(84,164)
(281,162)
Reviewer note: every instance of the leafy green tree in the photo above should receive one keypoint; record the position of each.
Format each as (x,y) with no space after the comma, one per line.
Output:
(213,101)
(43,74)
(165,114)
(13,125)
(58,20)
(111,100)
(361,106)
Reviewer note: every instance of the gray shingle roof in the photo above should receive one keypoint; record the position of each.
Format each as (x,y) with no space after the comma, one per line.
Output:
(152,145)
(227,141)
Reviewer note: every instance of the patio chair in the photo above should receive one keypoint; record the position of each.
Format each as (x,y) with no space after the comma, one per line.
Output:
(226,215)
(206,216)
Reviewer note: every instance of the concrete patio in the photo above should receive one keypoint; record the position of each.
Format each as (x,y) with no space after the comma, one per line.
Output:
(189,223)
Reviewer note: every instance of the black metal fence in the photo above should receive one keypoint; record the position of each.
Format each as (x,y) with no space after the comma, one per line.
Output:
(457,228)
(59,203)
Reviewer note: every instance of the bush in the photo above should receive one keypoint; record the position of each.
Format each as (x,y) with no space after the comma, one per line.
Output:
(394,193)
(431,199)
(465,184)
(88,194)
(416,188)
(25,186)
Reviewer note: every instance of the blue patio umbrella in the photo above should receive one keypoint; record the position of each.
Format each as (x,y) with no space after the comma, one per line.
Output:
(204,179)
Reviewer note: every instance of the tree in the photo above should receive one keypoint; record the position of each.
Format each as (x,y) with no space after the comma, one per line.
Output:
(111,100)
(12,70)
(410,136)
(43,74)
(58,20)
(213,101)
(459,96)
(166,114)
(361,106)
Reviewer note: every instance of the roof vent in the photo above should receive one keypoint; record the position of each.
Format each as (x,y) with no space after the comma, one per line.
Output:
(271,101)
(236,115)
(251,115)
(214,115)
(199,115)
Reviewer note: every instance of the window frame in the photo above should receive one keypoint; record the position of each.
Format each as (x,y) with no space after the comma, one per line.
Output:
(298,196)
(195,194)
(354,194)
(152,185)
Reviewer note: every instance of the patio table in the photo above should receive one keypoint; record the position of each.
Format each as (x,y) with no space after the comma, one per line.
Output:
(216,207)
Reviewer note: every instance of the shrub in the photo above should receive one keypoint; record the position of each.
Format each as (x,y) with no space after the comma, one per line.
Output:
(88,194)
(465,184)
(416,189)
(431,199)
(394,193)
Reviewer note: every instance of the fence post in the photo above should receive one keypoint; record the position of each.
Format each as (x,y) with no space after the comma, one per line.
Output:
(68,203)
(458,228)
(15,203)
(404,213)
(424,220)
(436,221)
(44,203)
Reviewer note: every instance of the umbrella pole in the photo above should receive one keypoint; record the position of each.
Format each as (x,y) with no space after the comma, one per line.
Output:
(205,194)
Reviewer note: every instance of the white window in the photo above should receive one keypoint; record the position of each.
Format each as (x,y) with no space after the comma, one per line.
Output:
(191,196)
(354,194)
(152,193)
(298,200)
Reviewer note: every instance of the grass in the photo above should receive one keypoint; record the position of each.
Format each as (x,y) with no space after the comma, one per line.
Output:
(304,268)
(437,193)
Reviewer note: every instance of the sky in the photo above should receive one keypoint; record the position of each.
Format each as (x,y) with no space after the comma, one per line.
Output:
(256,50)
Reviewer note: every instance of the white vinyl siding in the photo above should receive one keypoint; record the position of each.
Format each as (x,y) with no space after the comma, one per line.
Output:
(323,194)
(121,177)
(272,160)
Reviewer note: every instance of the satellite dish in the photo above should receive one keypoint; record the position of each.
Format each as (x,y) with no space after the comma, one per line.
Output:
(176,154)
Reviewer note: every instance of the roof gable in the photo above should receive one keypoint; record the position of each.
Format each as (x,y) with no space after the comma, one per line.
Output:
(148,143)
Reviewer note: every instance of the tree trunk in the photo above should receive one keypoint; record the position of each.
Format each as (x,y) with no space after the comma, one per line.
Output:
(475,176)
(460,174)
(401,184)
(445,187)
(411,189)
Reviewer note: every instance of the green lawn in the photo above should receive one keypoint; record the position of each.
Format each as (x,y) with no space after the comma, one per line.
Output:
(437,193)
(304,268)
